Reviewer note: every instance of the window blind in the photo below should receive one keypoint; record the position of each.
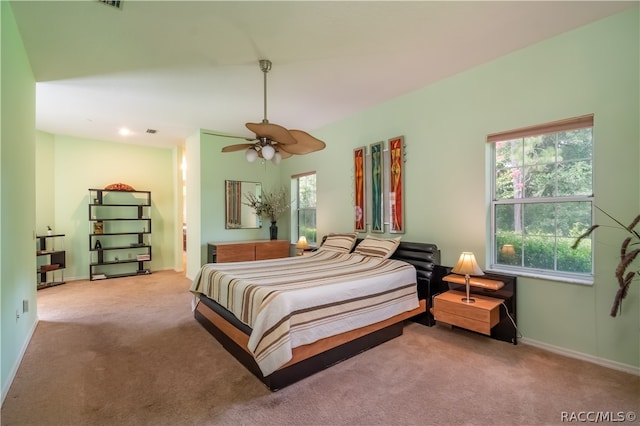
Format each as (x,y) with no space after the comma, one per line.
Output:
(574,123)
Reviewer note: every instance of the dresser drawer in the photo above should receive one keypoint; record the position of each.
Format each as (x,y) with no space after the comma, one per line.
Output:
(235,253)
(242,251)
(273,249)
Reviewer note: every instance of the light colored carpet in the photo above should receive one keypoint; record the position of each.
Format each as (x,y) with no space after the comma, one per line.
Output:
(128,352)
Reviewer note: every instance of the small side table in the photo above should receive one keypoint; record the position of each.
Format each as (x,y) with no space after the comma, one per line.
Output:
(480,316)
(475,282)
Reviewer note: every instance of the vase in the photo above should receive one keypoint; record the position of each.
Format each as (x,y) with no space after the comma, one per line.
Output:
(273,230)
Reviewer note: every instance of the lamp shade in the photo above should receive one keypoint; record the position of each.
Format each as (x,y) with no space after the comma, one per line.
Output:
(467,265)
(302,243)
(508,250)
(251,155)
(276,158)
(267,152)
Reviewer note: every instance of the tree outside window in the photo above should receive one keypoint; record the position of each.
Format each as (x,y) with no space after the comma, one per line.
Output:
(306,211)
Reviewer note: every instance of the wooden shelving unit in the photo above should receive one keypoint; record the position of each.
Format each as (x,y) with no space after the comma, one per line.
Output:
(120,235)
(51,260)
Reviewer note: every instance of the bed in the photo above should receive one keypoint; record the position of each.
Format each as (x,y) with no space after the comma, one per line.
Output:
(285,319)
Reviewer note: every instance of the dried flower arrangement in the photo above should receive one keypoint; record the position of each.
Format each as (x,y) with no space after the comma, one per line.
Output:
(627,256)
(270,205)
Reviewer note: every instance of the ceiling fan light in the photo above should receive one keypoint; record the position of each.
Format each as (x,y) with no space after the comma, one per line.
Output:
(276,158)
(251,155)
(267,152)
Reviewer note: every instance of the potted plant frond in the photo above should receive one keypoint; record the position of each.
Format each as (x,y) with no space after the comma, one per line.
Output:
(626,270)
(270,205)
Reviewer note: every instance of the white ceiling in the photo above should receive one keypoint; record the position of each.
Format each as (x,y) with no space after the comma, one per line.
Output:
(178,66)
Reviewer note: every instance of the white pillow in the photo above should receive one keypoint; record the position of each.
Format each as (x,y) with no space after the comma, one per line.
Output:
(377,247)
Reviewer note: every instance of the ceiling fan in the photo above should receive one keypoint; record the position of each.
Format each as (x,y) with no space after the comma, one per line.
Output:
(272,141)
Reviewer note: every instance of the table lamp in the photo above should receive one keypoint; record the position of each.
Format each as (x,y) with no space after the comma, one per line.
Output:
(467,266)
(302,245)
(508,251)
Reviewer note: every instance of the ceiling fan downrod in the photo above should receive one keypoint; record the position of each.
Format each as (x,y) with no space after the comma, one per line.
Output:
(273,142)
(265,66)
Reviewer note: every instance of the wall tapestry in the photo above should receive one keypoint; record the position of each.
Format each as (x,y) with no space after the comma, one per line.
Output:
(396,196)
(234,192)
(359,159)
(377,208)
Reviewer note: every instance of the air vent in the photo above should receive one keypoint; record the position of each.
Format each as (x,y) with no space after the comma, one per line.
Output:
(152,131)
(114,3)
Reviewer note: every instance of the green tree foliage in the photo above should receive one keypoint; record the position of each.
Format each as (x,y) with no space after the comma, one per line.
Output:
(307,207)
(307,191)
(545,168)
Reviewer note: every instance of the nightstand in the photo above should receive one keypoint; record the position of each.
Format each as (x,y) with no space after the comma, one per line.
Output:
(480,316)
(492,285)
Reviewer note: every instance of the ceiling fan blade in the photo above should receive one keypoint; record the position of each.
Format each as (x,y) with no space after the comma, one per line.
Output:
(247,138)
(273,132)
(237,147)
(306,143)
(284,154)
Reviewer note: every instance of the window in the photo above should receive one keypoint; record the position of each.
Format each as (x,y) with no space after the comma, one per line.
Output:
(542,195)
(306,206)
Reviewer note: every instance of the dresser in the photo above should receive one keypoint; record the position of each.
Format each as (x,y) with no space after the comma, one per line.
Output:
(241,251)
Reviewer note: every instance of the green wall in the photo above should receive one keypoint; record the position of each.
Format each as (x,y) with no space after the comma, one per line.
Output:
(17,199)
(45,187)
(79,164)
(593,69)
(208,169)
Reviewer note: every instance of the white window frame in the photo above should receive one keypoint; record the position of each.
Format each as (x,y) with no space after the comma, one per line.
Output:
(575,123)
(295,211)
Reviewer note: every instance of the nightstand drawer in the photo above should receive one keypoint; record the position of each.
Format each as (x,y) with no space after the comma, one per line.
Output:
(480,316)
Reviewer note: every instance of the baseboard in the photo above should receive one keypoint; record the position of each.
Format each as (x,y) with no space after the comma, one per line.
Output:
(631,369)
(16,365)
(86,277)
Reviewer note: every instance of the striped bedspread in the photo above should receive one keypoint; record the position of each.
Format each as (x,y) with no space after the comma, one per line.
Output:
(295,301)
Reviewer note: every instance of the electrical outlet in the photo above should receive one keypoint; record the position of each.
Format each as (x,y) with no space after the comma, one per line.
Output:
(17,315)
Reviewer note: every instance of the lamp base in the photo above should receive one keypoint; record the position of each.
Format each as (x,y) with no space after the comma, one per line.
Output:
(467,299)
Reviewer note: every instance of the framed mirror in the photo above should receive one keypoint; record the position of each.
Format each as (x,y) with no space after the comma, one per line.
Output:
(238,215)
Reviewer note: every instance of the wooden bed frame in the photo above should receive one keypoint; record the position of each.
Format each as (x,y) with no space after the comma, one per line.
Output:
(317,356)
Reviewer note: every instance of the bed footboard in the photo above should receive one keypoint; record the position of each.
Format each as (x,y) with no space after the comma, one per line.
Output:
(308,359)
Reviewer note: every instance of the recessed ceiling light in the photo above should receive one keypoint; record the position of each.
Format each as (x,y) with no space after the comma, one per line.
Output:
(124,131)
